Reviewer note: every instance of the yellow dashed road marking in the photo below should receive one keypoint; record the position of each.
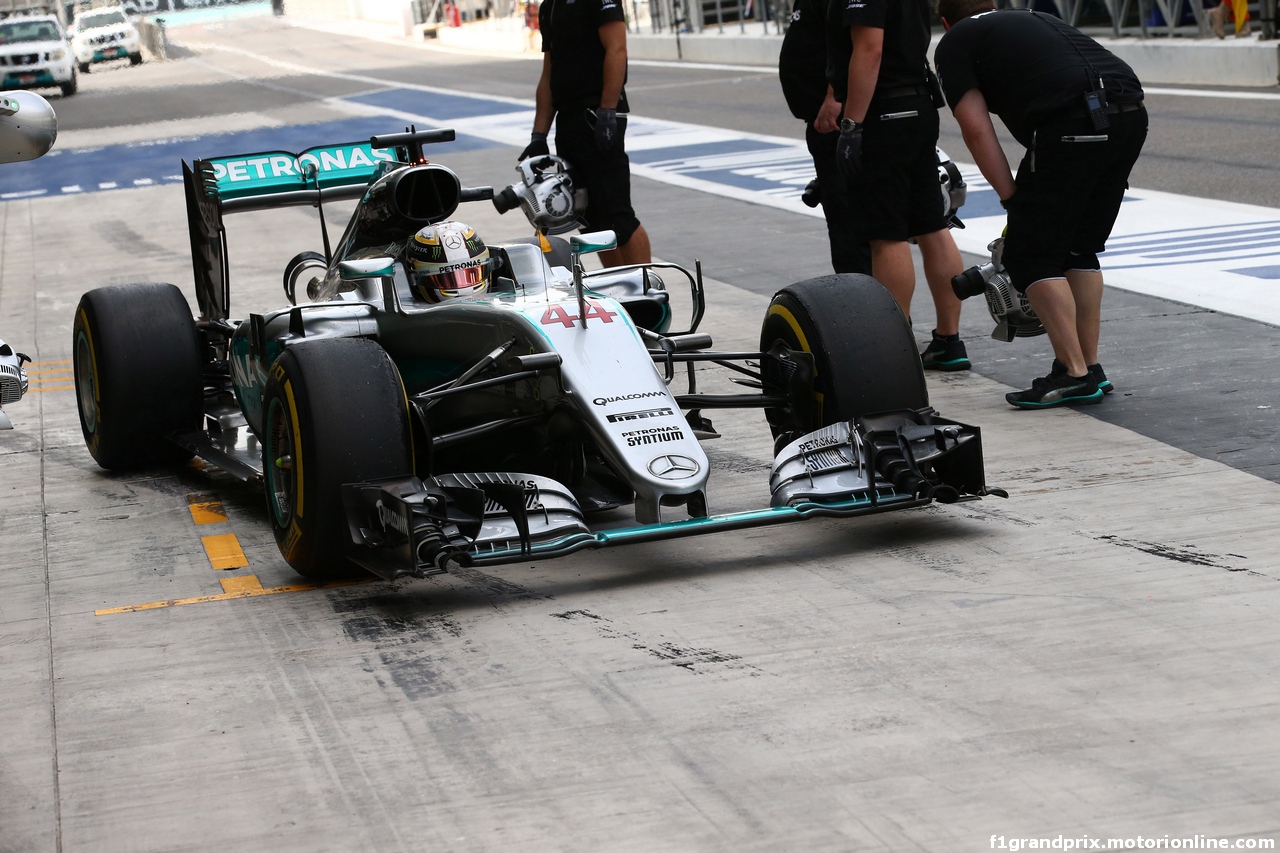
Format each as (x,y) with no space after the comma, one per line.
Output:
(224,551)
(245,586)
(55,388)
(206,510)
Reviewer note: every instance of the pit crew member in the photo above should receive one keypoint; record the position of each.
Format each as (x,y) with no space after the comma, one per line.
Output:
(1077,108)
(584,69)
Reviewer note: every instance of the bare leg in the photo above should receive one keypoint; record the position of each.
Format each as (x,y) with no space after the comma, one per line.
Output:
(941,262)
(1056,307)
(1086,289)
(634,251)
(891,266)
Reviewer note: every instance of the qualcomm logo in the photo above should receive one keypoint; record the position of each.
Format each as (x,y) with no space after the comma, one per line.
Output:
(673,467)
(391,520)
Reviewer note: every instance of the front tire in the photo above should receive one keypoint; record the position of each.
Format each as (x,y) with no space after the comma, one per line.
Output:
(137,373)
(336,413)
(70,87)
(865,357)
(84,67)
(135,59)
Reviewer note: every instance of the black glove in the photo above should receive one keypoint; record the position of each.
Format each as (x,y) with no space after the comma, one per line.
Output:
(849,153)
(606,130)
(537,147)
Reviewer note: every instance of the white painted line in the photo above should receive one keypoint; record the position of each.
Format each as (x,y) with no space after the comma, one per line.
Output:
(1212,93)
(107,185)
(143,182)
(23,194)
(74,188)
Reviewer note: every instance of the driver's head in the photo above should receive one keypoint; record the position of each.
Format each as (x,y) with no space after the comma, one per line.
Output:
(447,260)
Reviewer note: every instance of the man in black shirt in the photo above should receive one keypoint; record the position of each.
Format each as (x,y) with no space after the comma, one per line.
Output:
(584,67)
(1078,110)
(887,149)
(802,69)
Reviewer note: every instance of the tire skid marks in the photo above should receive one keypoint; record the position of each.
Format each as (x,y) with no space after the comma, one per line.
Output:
(699,661)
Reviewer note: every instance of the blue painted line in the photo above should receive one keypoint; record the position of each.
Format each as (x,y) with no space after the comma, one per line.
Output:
(1213,248)
(671,157)
(159,161)
(1271,273)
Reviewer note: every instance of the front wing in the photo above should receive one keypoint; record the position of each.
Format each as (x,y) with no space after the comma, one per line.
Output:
(412,527)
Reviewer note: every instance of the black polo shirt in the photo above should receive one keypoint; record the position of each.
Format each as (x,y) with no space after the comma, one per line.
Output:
(906,41)
(571,34)
(802,61)
(1029,67)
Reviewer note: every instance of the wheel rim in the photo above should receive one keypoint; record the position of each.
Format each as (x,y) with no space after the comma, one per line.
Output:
(86,387)
(278,464)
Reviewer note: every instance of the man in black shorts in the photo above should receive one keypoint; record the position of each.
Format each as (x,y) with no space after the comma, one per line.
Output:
(887,149)
(584,67)
(1078,110)
(802,70)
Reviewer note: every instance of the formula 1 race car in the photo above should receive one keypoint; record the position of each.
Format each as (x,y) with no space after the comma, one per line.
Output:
(399,432)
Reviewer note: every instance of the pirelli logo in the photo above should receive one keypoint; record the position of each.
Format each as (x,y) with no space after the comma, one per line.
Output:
(639,416)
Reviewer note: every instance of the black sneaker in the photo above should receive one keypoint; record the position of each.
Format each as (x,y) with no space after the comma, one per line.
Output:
(1095,370)
(945,354)
(1056,390)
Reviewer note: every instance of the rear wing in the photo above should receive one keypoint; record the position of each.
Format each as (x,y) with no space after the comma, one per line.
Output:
(271,179)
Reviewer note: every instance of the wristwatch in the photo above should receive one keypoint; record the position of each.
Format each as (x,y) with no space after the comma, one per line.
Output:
(848,125)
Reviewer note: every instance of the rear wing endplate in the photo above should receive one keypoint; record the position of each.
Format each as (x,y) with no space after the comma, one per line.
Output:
(271,179)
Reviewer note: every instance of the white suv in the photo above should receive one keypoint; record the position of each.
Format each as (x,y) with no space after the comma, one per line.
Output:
(99,35)
(34,54)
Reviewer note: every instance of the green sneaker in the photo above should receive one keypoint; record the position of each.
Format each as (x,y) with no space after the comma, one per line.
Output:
(944,354)
(1059,390)
(1095,370)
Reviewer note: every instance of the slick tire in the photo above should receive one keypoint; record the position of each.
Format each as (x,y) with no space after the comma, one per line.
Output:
(138,378)
(335,413)
(865,357)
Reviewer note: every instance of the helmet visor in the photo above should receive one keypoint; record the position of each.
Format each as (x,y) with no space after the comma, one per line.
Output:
(467,281)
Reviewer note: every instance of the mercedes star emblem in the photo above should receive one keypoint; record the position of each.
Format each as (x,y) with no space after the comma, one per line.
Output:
(673,467)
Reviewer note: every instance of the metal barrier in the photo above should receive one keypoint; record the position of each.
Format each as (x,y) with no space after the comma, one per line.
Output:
(696,16)
(1123,17)
(154,39)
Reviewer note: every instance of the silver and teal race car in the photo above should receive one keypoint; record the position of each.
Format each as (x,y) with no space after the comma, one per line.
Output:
(399,435)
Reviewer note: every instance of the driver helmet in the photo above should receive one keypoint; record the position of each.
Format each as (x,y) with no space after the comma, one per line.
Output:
(447,260)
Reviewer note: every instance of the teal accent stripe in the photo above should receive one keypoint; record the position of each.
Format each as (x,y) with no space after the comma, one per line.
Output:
(691,526)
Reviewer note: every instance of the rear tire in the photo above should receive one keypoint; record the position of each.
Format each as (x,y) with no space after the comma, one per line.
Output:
(137,373)
(335,410)
(135,59)
(865,357)
(70,87)
(84,68)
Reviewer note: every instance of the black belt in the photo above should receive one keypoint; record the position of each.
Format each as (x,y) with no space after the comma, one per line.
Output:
(1115,109)
(1111,109)
(901,92)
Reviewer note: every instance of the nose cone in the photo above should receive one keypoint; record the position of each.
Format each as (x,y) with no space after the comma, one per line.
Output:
(28,126)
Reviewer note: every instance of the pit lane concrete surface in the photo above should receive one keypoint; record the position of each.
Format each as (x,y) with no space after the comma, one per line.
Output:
(1094,656)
